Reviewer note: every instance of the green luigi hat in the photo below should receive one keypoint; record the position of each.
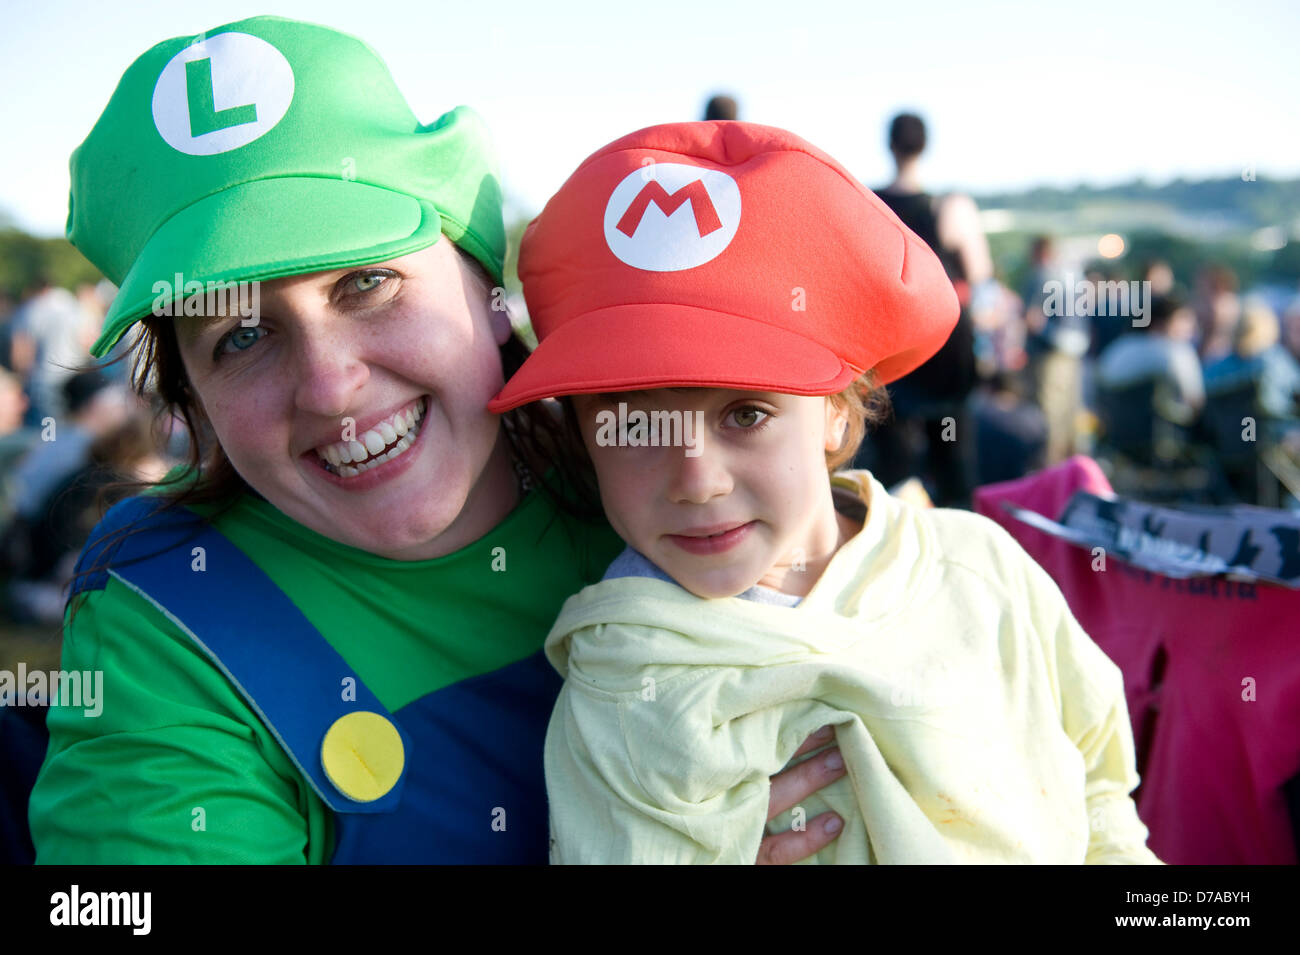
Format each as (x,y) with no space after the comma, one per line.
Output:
(265,148)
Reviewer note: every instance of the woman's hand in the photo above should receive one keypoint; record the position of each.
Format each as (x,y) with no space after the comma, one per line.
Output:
(791,786)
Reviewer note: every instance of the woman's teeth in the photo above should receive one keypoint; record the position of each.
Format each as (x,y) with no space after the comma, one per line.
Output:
(383,442)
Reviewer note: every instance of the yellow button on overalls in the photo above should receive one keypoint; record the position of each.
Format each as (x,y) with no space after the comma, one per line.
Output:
(362,755)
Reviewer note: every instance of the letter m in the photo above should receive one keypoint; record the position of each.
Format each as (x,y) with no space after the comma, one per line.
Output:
(119,905)
(706,217)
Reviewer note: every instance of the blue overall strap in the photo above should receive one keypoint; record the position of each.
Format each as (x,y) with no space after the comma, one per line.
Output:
(281,664)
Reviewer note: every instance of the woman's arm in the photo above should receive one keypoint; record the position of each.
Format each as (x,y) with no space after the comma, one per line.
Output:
(169,765)
(957,220)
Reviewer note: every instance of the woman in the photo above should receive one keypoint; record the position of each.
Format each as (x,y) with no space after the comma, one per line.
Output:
(340,661)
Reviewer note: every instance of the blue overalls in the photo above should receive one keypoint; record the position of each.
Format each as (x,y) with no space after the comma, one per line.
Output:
(471,784)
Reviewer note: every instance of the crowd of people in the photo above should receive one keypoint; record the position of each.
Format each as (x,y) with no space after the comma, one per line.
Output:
(69,435)
(1184,396)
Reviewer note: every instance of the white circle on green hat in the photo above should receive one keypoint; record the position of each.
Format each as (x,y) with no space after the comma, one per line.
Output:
(221,93)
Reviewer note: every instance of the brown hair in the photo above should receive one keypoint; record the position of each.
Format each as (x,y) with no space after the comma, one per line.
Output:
(867,406)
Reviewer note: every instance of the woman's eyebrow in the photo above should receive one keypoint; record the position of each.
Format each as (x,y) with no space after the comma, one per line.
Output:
(195,327)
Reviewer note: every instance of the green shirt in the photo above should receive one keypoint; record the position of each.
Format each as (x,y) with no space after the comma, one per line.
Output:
(177,768)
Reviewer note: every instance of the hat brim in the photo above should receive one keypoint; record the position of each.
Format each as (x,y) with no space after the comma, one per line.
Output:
(268,229)
(638,347)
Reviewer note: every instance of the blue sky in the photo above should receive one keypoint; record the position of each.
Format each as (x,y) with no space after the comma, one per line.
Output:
(1016,94)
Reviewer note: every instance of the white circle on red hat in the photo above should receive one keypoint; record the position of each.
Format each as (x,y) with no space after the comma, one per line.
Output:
(684,216)
(245,70)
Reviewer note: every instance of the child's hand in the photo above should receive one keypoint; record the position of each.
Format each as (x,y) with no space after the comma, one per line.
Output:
(789,788)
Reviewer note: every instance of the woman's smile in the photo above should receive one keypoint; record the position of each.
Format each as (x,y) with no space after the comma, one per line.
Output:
(385,441)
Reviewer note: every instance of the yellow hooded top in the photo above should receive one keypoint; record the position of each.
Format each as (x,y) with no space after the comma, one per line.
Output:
(978,722)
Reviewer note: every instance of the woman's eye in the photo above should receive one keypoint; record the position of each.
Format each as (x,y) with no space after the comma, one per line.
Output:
(240,339)
(748,417)
(368,281)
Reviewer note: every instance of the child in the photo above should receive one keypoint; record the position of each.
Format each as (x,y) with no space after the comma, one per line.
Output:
(718,298)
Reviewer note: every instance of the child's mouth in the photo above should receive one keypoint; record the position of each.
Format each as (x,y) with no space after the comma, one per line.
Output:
(703,541)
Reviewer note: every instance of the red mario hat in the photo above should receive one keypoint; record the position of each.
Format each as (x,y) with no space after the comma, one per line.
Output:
(722,255)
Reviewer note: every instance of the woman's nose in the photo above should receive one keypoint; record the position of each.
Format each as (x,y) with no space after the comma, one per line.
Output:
(329,372)
(698,478)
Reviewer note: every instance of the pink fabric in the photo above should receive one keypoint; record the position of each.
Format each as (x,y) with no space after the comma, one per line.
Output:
(1212,763)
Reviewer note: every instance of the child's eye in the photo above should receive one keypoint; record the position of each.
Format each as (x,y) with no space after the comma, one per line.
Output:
(748,417)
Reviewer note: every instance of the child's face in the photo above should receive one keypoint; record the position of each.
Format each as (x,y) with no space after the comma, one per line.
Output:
(750,503)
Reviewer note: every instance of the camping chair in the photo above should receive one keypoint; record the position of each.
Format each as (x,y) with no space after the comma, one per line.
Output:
(1150,453)
(1247,463)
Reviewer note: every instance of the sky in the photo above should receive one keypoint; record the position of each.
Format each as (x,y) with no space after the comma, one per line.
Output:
(1015,94)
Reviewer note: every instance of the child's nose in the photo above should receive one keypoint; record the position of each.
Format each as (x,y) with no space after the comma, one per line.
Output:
(698,478)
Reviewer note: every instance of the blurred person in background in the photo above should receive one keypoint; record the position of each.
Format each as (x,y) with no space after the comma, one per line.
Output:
(1291,329)
(7,306)
(95,406)
(1111,316)
(95,299)
(1218,309)
(1042,269)
(91,298)
(722,107)
(13,405)
(998,314)
(1290,341)
(43,550)
(50,335)
(1162,353)
(1161,276)
(1258,357)
(927,437)
(15,441)
(1011,431)
(949,224)
(1057,336)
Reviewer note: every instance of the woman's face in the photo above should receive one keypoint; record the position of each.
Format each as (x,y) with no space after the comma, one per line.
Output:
(363,359)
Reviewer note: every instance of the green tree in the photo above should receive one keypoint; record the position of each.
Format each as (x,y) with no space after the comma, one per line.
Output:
(24,257)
